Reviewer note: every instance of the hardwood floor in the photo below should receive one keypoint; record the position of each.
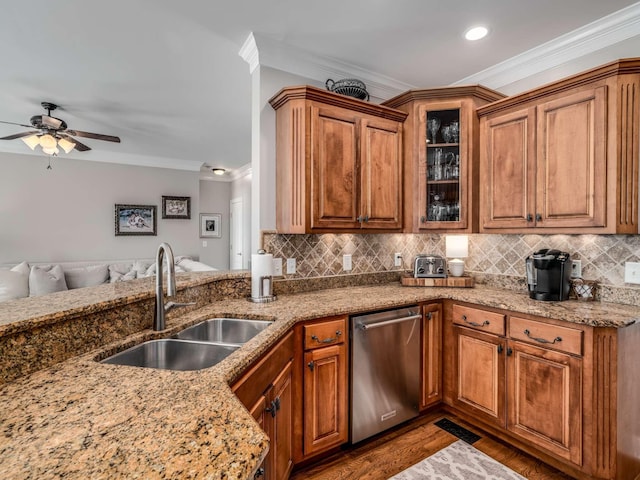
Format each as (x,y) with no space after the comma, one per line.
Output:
(392,452)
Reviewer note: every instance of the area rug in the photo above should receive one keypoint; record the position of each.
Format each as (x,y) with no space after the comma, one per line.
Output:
(458,461)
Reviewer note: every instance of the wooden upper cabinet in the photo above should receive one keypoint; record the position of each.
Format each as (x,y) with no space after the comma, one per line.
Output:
(508,174)
(338,163)
(564,158)
(441,157)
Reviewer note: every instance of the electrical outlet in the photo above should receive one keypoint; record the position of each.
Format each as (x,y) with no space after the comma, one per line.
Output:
(277,267)
(291,265)
(346,262)
(397,259)
(631,272)
(204,243)
(576,269)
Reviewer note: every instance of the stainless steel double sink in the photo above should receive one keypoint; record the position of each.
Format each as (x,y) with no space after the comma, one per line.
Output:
(194,348)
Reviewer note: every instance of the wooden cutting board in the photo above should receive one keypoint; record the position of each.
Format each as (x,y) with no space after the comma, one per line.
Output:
(409,281)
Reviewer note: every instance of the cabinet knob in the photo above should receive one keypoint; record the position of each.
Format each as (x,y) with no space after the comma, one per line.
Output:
(310,365)
(366,218)
(259,473)
(509,352)
(423,219)
(500,348)
(429,315)
(359,219)
(538,217)
(529,217)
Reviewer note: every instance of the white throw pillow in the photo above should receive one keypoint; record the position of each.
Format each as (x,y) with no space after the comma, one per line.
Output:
(45,279)
(14,283)
(120,272)
(88,276)
(190,265)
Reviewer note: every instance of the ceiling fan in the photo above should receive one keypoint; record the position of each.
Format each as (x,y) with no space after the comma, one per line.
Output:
(51,133)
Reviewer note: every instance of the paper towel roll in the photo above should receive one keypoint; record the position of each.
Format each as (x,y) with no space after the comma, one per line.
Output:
(261,266)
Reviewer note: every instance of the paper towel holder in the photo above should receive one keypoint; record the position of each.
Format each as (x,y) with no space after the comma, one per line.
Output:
(264,293)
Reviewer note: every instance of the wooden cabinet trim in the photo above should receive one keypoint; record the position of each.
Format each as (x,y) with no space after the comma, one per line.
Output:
(255,381)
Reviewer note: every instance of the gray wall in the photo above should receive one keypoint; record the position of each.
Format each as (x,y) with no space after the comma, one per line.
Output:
(215,198)
(67,213)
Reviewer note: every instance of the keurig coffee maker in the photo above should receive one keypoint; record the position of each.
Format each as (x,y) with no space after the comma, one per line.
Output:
(549,275)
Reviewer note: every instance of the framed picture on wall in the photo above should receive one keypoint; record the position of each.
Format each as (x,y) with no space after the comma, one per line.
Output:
(135,220)
(176,207)
(210,224)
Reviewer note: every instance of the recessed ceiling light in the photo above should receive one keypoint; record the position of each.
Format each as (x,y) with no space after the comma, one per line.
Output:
(476,33)
(218,171)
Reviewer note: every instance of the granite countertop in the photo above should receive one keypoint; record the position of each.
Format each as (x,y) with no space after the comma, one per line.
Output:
(83,419)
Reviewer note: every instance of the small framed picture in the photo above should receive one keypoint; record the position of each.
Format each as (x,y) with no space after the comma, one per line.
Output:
(176,207)
(135,220)
(210,224)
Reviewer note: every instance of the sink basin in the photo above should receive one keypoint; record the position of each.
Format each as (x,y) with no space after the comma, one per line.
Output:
(172,354)
(233,331)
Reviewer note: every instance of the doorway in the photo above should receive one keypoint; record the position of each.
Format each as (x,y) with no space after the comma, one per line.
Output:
(236,240)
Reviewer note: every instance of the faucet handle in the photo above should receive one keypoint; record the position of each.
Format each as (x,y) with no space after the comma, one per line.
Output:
(170,305)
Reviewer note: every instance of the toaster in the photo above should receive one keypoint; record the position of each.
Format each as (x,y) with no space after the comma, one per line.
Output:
(429,266)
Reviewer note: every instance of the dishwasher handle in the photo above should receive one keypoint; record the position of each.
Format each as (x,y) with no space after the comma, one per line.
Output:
(365,326)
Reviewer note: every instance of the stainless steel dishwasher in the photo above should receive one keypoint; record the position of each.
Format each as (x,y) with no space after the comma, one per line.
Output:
(385,370)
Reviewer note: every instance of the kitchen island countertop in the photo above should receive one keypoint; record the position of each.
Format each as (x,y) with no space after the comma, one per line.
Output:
(83,419)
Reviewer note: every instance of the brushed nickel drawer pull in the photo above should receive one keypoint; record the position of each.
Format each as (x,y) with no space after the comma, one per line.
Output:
(542,340)
(327,340)
(475,324)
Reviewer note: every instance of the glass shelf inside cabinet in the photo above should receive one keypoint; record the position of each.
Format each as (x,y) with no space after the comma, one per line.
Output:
(443,166)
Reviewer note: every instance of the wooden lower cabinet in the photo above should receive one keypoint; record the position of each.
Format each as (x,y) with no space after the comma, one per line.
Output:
(532,389)
(480,374)
(266,389)
(325,398)
(431,355)
(325,390)
(544,395)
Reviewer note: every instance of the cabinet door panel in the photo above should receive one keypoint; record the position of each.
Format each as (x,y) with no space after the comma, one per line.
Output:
(480,372)
(281,439)
(334,169)
(325,398)
(545,402)
(258,411)
(572,160)
(431,355)
(381,178)
(508,170)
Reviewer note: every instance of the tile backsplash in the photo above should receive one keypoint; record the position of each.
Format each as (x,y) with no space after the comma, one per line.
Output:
(602,256)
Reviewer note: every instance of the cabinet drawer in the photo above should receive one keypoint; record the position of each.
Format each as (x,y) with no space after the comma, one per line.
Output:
(543,334)
(479,319)
(326,333)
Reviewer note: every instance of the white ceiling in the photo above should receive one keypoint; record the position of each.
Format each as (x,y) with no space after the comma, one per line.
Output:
(167,78)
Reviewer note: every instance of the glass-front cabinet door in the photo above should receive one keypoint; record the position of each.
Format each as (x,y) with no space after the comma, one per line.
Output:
(443,172)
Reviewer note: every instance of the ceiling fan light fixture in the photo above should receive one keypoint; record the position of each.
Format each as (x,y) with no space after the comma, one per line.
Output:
(66,145)
(47,141)
(32,141)
(50,151)
(218,171)
(476,33)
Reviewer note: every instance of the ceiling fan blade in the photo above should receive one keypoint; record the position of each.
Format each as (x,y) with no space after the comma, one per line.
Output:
(20,135)
(51,122)
(19,124)
(81,147)
(96,136)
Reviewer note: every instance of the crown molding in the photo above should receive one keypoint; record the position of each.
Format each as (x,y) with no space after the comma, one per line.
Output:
(602,33)
(265,51)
